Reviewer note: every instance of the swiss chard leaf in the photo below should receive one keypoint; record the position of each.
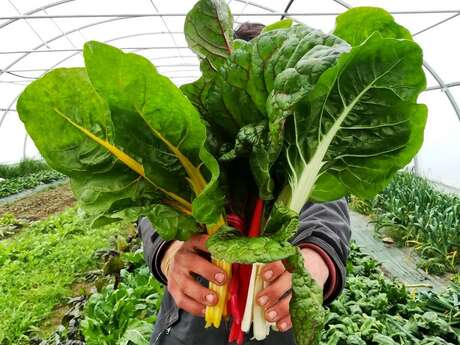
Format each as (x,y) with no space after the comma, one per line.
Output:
(140,95)
(360,123)
(208,30)
(357,24)
(231,245)
(262,80)
(306,304)
(104,196)
(281,24)
(171,224)
(71,126)
(282,224)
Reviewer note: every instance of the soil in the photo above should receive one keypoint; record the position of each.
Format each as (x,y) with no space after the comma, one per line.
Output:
(41,204)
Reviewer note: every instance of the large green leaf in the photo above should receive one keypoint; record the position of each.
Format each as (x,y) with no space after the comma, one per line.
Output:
(171,224)
(282,224)
(208,30)
(49,107)
(156,110)
(71,126)
(262,80)
(357,24)
(281,24)
(231,245)
(306,305)
(360,124)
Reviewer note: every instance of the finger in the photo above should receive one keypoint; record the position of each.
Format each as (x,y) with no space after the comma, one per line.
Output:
(198,242)
(197,292)
(275,291)
(272,271)
(279,311)
(284,324)
(189,305)
(192,262)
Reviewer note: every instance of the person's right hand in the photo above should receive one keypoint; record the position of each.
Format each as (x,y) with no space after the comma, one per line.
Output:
(183,260)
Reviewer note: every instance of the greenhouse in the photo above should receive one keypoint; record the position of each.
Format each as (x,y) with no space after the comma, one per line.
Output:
(229,172)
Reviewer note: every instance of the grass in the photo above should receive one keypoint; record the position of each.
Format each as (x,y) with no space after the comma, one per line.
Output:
(24,167)
(414,213)
(39,266)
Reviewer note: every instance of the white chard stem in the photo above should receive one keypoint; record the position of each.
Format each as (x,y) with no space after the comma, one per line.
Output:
(260,327)
(253,313)
(247,316)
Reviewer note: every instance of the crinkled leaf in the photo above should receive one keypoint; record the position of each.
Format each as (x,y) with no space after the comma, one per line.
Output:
(306,305)
(208,30)
(358,24)
(262,80)
(282,224)
(171,224)
(247,138)
(135,90)
(231,245)
(360,123)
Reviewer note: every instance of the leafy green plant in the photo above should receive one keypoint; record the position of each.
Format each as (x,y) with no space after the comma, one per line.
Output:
(15,185)
(414,213)
(38,267)
(375,310)
(313,116)
(9,225)
(329,115)
(125,315)
(24,167)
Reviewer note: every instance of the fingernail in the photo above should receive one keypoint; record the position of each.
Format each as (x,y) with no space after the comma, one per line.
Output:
(219,277)
(272,315)
(210,298)
(283,326)
(263,300)
(268,275)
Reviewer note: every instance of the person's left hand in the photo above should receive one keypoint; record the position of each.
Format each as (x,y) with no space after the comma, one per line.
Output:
(274,297)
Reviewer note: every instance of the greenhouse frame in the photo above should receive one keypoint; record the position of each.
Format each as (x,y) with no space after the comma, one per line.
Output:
(229,171)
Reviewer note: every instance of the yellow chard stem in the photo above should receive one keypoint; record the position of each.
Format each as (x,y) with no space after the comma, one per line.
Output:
(213,315)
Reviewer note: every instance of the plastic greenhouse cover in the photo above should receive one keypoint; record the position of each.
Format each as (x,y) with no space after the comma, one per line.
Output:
(59,40)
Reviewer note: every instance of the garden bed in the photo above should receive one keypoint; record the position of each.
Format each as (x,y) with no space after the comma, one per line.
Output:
(413,213)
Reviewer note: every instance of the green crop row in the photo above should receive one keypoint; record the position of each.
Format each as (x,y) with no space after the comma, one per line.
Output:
(38,267)
(371,310)
(15,185)
(376,310)
(414,213)
(24,167)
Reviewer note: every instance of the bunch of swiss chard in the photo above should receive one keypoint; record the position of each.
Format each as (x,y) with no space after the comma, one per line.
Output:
(293,115)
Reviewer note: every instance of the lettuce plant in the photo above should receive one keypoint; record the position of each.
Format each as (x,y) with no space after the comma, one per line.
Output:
(304,114)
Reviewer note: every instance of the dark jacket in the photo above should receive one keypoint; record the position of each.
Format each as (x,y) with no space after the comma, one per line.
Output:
(327,225)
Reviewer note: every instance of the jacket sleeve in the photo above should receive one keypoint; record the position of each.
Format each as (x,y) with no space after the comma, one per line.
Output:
(154,248)
(327,227)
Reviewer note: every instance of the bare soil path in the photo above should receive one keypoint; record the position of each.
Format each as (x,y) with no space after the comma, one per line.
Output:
(41,204)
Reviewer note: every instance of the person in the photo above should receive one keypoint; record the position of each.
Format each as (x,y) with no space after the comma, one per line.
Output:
(323,236)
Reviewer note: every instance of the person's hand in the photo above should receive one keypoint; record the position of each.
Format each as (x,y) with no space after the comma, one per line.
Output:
(180,261)
(276,296)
